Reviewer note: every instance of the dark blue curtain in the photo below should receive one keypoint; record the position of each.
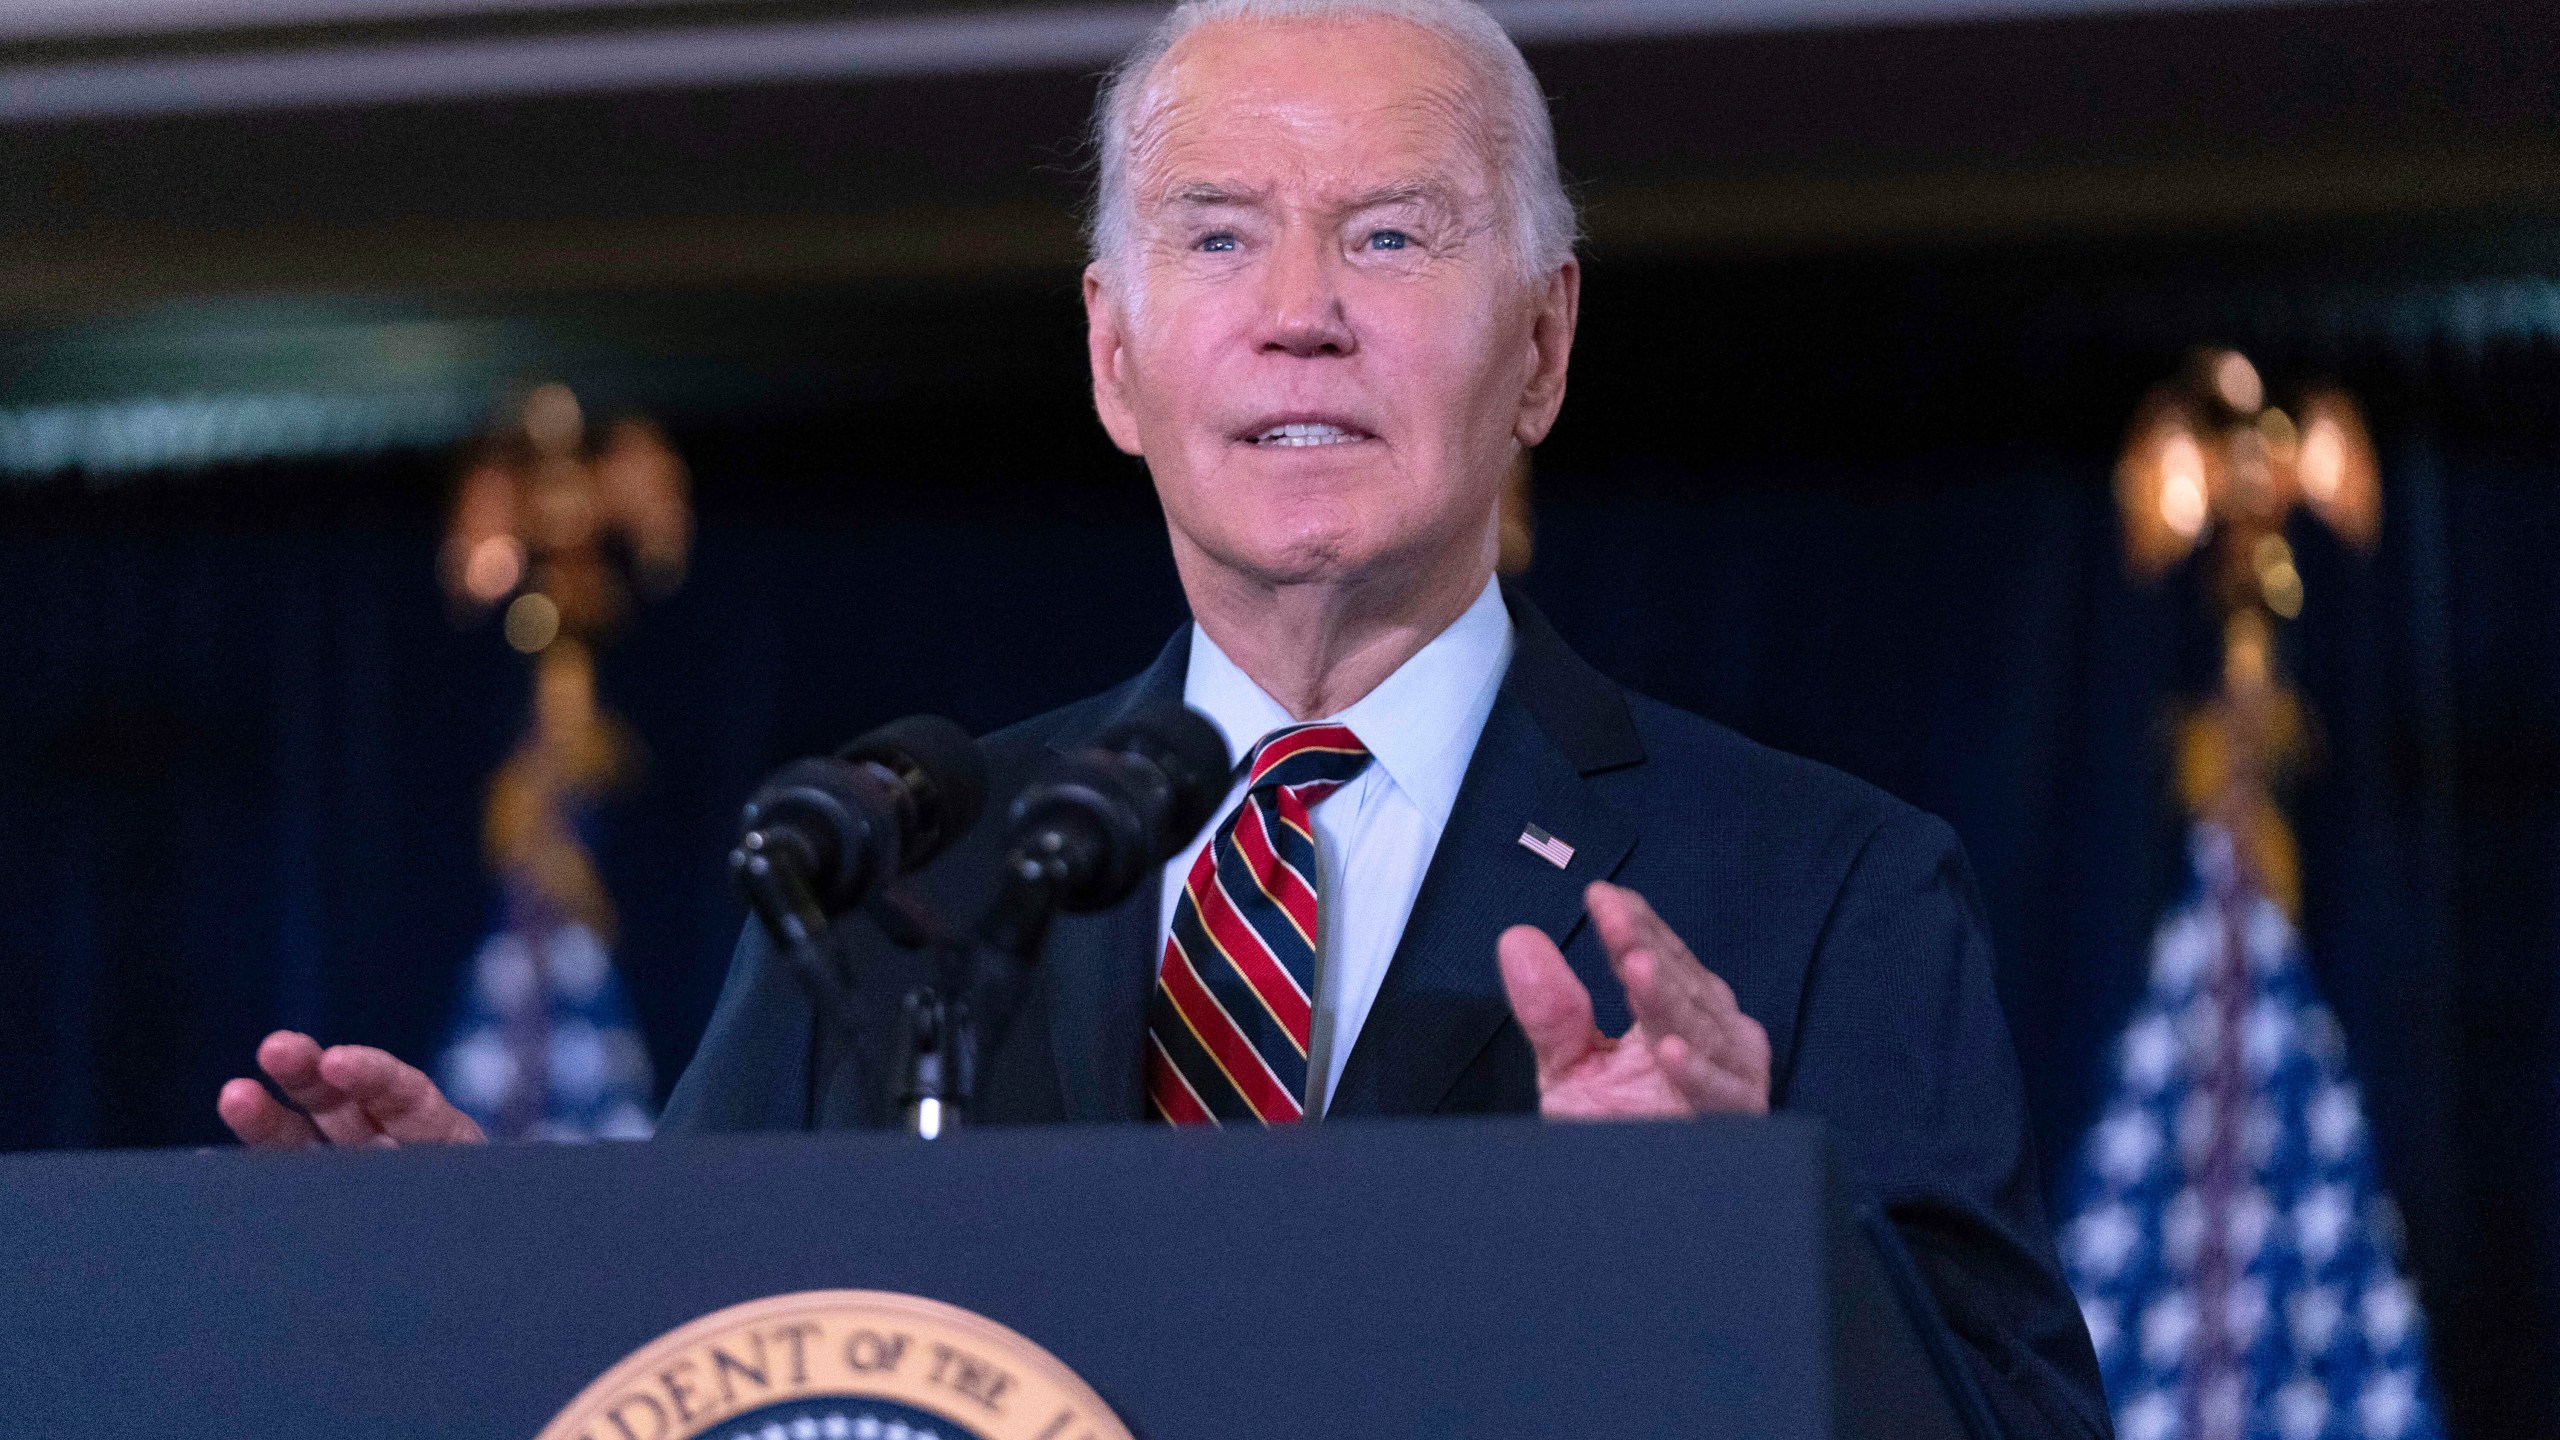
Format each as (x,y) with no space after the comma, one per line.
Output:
(242,747)
(235,791)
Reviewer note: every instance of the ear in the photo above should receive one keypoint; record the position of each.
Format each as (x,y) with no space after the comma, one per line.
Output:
(1106,346)
(1559,308)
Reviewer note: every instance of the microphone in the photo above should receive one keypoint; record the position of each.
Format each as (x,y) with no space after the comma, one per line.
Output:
(1092,827)
(886,803)
(821,834)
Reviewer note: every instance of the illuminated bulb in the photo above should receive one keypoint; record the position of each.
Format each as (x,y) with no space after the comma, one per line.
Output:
(2182,499)
(494,567)
(2281,587)
(532,622)
(2245,647)
(2277,429)
(2279,584)
(2323,465)
(2236,381)
(552,420)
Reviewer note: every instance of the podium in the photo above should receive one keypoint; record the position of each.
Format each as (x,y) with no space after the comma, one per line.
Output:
(1405,1279)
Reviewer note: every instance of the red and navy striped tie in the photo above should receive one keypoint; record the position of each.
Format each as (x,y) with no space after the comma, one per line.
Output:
(1228,1026)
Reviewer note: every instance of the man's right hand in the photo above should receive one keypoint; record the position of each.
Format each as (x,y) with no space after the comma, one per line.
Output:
(344,1095)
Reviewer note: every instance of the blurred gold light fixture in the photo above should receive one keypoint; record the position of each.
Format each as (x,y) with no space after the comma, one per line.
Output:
(541,510)
(558,531)
(2207,455)
(2209,465)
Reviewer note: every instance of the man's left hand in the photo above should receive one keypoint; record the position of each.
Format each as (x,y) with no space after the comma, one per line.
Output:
(1691,1050)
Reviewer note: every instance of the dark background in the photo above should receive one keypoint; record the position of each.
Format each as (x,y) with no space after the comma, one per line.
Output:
(1866,314)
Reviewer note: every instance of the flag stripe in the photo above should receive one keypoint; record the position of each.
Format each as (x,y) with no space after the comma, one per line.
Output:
(1548,848)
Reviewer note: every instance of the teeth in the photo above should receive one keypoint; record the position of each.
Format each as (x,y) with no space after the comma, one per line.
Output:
(1305,434)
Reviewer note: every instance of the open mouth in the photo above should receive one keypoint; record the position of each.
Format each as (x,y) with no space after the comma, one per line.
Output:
(1298,434)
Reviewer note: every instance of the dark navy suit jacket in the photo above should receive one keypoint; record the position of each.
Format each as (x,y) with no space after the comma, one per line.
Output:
(1845,921)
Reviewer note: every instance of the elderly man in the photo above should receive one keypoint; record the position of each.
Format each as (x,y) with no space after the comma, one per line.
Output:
(1332,295)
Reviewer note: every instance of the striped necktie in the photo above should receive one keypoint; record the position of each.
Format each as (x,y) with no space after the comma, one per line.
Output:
(1227,1028)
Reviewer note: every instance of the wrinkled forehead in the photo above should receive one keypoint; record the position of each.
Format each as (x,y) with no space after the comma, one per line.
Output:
(1318,107)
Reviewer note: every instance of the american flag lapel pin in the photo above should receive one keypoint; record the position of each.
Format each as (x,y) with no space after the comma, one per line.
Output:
(1546,847)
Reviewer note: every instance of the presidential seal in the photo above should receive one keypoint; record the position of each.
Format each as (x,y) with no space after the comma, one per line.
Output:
(839,1365)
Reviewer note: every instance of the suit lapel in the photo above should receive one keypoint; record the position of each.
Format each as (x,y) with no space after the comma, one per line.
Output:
(1442,997)
(1556,722)
(1102,966)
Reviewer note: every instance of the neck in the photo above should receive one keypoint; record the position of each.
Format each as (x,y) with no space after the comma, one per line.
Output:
(1317,647)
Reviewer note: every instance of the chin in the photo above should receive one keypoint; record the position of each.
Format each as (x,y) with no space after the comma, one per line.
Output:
(1304,562)
(1326,533)
(1300,555)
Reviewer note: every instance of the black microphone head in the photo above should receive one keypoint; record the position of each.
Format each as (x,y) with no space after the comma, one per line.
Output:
(942,775)
(1188,749)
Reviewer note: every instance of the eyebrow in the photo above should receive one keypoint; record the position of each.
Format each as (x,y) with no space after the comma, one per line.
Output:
(1405,192)
(1206,194)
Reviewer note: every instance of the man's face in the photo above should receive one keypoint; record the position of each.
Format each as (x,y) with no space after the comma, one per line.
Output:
(1320,338)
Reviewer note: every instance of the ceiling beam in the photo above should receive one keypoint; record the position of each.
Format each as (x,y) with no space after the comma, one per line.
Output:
(664,46)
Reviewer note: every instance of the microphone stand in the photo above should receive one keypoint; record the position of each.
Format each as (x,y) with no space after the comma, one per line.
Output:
(944,1031)
(938,1037)
(937,1050)
(937,1063)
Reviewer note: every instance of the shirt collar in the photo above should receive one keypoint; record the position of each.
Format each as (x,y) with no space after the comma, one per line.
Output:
(1420,723)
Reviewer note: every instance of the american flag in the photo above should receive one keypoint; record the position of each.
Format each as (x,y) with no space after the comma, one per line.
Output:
(545,1046)
(2231,1245)
(1546,847)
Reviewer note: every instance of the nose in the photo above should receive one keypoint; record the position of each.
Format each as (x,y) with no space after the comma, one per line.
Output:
(1302,307)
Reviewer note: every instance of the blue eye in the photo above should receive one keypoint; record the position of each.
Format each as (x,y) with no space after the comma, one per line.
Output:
(1217,244)
(1389,240)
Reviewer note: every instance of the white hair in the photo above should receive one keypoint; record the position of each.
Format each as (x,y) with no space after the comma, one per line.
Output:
(1540,214)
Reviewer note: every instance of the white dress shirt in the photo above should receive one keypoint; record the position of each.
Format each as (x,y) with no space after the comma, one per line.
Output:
(1374,836)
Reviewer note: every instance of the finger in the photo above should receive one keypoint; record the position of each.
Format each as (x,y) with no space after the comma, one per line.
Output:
(292,1060)
(1662,1012)
(1720,1036)
(1651,963)
(1712,1088)
(261,1120)
(1715,1000)
(1667,988)
(1707,1048)
(1553,1008)
(398,1098)
(1626,921)
(1751,1055)
(1694,1001)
